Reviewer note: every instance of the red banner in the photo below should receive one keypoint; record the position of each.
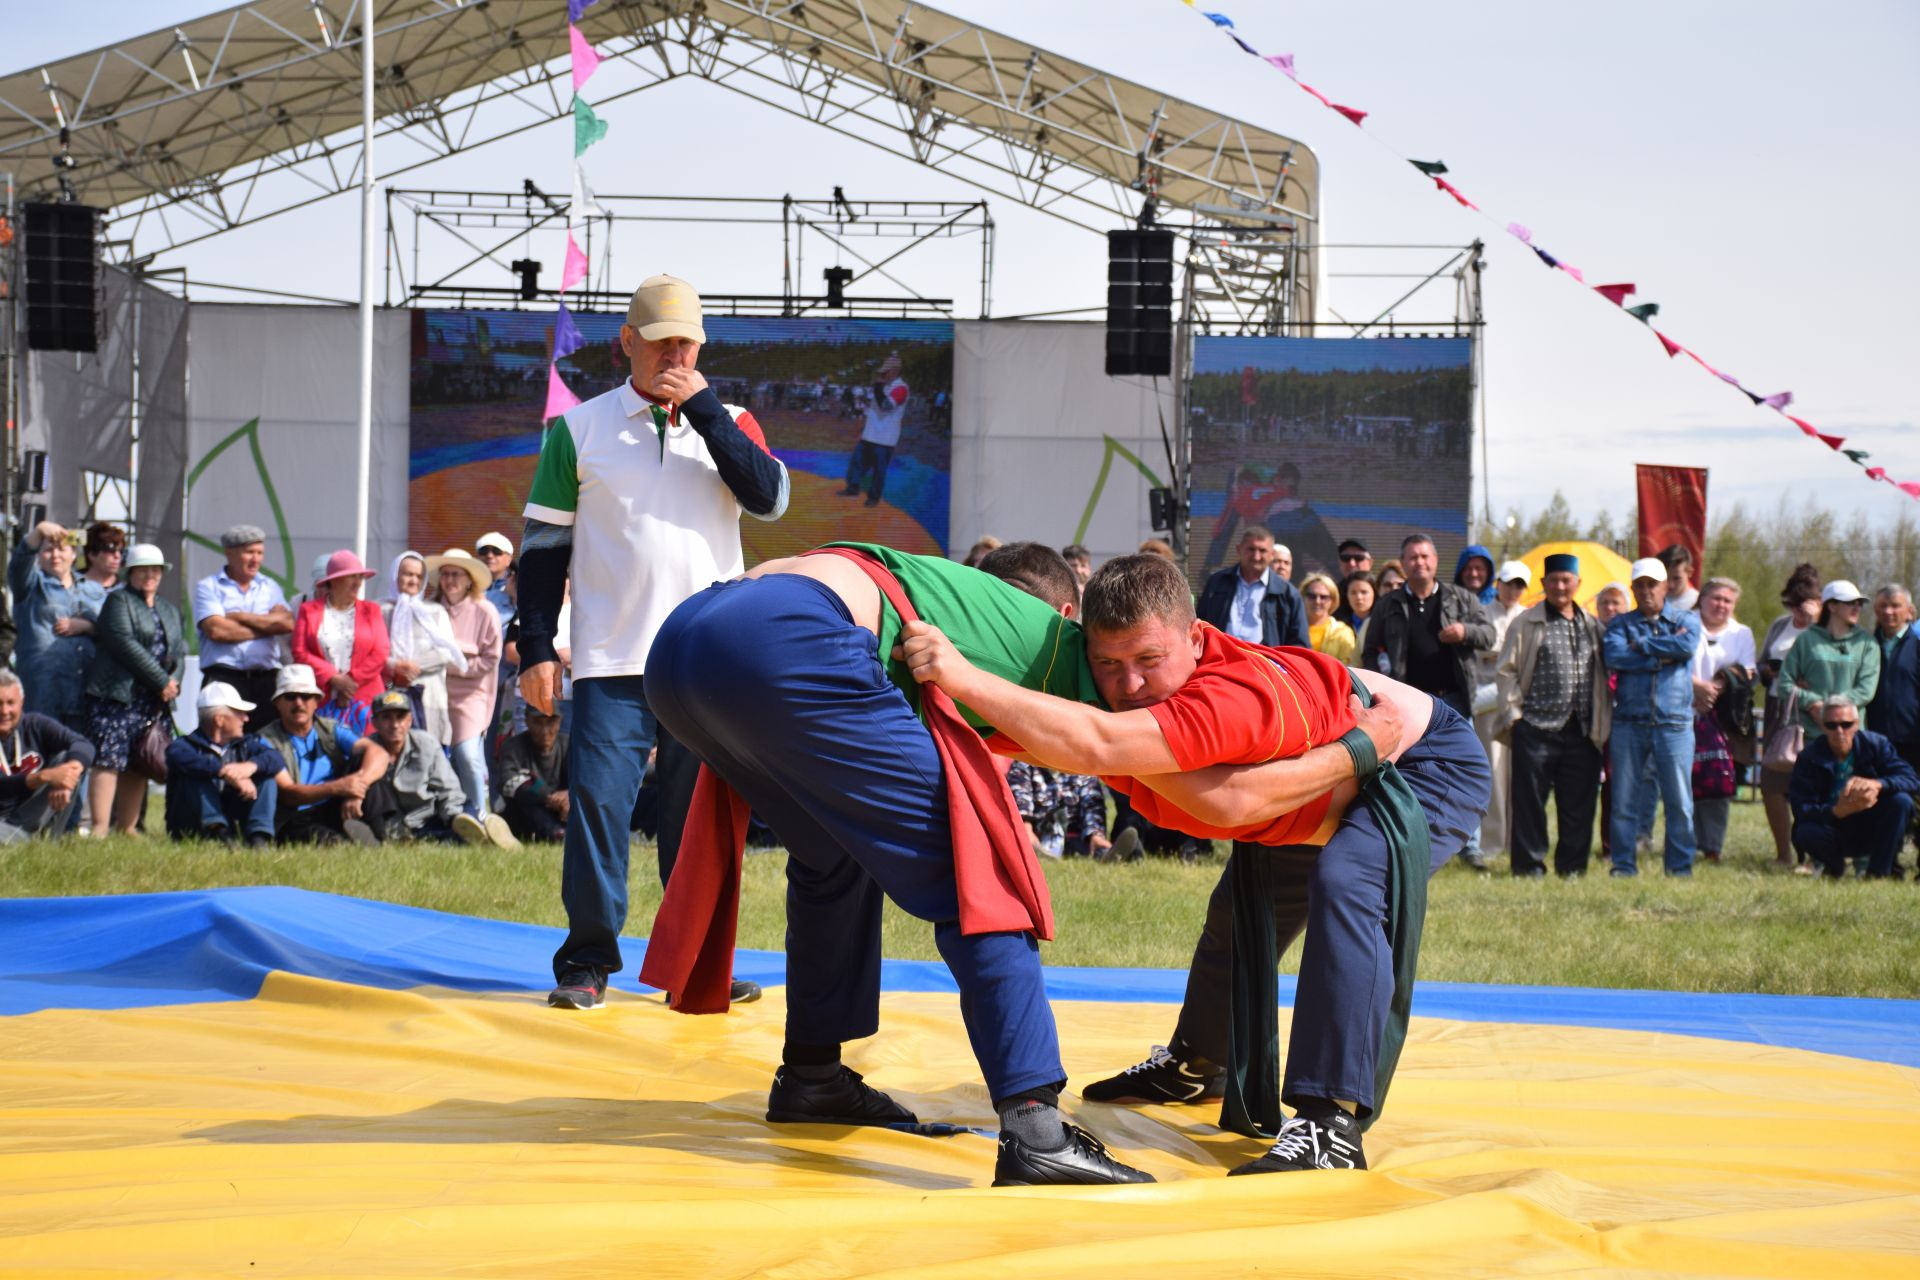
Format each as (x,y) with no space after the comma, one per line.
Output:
(1673,508)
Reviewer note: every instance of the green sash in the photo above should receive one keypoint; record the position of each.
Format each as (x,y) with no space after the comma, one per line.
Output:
(1252,1103)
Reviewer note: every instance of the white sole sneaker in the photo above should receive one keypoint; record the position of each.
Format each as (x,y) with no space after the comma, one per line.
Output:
(468,828)
(499,832)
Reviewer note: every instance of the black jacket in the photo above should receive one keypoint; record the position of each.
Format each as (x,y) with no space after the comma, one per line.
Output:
(37,742)
(1894,712)
(1386,650)
(1816,774)
(1283,617)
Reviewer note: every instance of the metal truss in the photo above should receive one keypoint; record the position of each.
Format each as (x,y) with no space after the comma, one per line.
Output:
(189,133)
(474,229)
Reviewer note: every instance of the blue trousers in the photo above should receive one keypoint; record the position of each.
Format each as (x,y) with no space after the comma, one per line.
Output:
(1670,747)
(194,804)
(606,758)
(770,683)
(1337,896)
(1872,836)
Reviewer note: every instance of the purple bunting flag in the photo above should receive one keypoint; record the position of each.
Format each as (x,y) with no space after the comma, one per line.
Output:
(1243,44)
(1779,400)
(1284,61)
(566,335)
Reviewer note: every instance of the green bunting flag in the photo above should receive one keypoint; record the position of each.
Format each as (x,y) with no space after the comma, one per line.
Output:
(1432,168)
(1645,312)
(588,128)
(1858,455)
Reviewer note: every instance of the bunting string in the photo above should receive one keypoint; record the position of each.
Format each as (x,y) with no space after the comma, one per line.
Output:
(588,129)
(1617,294)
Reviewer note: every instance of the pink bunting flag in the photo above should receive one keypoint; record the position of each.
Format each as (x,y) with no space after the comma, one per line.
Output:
(1354,114)
(585,60)
(1284,61)
(1451,190)
(1832,442)
(1673,348)
(1519,233)
(1617,294)
(575,269)
(1908,487)
(1876,473)
(1572,270)
(1805,426)
(560,397)
(1780,401)
(1324,100)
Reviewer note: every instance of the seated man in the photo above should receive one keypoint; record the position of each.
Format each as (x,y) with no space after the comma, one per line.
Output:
(533,771)
(41,762)
(220,778)
(1186,700)
(419,797)
(328,767)
(1851,794)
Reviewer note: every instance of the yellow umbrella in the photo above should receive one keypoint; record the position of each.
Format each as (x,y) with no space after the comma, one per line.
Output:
(1598,566)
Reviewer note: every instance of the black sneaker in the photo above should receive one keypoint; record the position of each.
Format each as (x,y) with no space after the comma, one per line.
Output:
(1082,1162)
(1161,1079)
(579,989)
(1331,1143)
(743,992)
(843,1098)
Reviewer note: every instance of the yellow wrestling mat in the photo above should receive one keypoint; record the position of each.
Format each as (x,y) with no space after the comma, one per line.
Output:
(327,1128)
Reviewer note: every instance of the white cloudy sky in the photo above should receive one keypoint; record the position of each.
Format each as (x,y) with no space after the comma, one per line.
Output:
(1748,164)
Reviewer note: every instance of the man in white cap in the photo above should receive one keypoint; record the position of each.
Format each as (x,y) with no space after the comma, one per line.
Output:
(1510,582)
(1651,648)
(328,767)
(220,778)
(886,412)
(637,499)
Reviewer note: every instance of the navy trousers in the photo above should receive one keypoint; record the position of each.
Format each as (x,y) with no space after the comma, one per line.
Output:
(194,804)
(770,683)
(1337,895)
(1872,836)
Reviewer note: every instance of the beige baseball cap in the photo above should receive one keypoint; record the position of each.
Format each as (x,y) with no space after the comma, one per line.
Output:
(666,307)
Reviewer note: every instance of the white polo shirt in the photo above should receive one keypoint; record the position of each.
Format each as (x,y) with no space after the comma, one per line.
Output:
(652,520)
(885,413)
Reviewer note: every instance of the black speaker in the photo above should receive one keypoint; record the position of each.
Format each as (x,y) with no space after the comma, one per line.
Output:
(63,277)
(1140,302)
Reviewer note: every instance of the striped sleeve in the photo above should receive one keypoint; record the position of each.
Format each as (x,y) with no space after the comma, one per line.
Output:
(555,494)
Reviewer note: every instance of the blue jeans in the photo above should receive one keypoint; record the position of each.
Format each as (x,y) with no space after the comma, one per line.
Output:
(613,730)
(470,766)
(1670,748)
(194,804)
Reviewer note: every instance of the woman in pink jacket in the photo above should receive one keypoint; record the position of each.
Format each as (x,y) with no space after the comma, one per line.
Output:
(460,581)
(344,639)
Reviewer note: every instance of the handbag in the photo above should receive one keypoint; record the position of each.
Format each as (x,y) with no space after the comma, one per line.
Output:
(148,753)
(1713,774)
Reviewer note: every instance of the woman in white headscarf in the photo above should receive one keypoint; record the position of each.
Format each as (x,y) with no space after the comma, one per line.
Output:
(423,646)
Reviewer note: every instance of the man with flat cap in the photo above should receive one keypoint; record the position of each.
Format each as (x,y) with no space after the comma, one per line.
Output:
(241,613)
(1554,712)
(637,499)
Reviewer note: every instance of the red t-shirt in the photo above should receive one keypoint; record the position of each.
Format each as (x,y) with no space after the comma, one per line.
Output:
(1247,704)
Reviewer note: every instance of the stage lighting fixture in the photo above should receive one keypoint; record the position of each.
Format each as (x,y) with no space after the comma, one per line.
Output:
(837,280)
(529,272)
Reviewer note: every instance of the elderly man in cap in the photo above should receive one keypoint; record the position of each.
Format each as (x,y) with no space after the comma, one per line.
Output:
(220,778)
(886,412)
(533,768)
(1554,711)
(328,768)
(1651,648)
(1852,795)
(420,797)
(240,612)
(637,499)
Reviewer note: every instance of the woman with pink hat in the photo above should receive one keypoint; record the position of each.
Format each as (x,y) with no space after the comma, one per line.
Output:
(461,582)
(344,639)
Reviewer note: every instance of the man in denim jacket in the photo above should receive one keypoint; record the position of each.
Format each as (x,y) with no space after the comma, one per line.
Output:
(1651,648)
(1654,716)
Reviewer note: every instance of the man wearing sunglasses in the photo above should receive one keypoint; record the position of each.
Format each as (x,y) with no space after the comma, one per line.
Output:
(1851,794)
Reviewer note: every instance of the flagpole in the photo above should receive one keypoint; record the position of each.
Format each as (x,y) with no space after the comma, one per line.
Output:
(363,478)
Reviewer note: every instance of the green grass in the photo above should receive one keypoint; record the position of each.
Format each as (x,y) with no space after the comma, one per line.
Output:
(1739,926)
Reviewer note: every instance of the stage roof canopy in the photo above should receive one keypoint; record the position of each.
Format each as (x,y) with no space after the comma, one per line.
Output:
(194,130)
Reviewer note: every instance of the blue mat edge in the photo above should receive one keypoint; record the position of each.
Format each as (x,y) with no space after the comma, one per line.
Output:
(149,950)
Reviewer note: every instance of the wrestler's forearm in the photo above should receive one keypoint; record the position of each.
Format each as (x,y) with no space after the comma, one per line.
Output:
(1069,736)
(1242,795)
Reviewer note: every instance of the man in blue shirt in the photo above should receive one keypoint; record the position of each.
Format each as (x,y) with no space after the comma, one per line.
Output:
(1252,598)
(1651,647)
(241,613)
(323,787)
(1851,794)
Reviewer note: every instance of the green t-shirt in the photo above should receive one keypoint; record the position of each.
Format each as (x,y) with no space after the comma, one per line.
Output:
(998,628)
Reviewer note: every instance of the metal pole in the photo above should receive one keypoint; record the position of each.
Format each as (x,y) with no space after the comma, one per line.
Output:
(10,335)
(363,472)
